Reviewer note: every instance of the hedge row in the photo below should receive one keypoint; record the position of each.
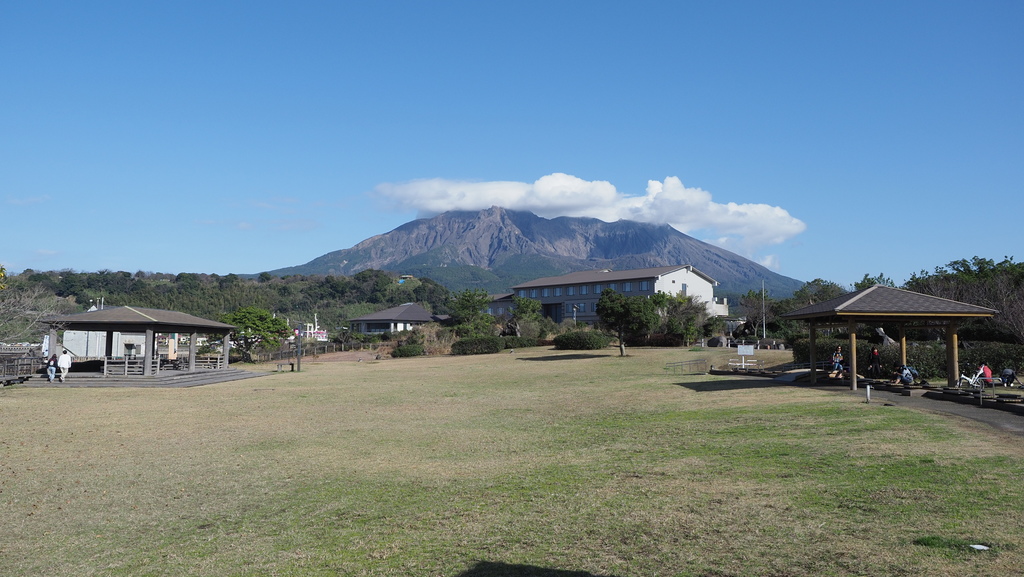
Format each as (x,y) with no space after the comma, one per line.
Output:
(581,341)
(929,358)
(478,346)
(407,351)
(519,342)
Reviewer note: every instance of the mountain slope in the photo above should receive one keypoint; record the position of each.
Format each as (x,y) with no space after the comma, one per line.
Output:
(496,248)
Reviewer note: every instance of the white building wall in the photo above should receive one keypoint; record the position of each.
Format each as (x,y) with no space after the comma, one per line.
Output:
(685,282)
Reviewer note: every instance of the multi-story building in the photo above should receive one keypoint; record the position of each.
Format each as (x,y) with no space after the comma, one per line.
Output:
(575,295)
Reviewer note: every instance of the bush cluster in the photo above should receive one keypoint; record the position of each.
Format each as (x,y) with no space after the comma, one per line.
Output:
(477,346)
(656,340)
(512,342)
(407,351)
(581,341)
(929,358)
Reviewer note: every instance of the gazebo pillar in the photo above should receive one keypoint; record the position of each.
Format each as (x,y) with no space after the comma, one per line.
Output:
(814,357)
(227,348)
(53,341)
(851,327)
(952,353)
(147,354)
(903,344)
(192,352)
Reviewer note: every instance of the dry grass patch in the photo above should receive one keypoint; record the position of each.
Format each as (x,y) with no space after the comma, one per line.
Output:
(541,459)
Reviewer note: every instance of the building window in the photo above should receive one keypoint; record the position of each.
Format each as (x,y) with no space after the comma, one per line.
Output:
(645,285)
(583,289)
(627,287)
(597,289)
(611,286)
(521,292)
(545,292)
(558,291)
(533,293)
(571,290)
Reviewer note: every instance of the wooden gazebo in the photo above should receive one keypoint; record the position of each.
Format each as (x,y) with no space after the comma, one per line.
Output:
(150,322)
(882,304)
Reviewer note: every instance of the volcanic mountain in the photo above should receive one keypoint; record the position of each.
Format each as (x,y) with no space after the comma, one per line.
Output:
(494,249)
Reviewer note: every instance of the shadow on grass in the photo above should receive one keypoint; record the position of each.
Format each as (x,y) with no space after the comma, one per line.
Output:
(732,385)
(567,357)
(491,569)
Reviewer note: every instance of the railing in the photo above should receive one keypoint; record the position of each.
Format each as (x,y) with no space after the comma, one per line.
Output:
(822,365)
(694,367)
(136,366)
(210,362)
(310,351)
(125,366)
(20,366)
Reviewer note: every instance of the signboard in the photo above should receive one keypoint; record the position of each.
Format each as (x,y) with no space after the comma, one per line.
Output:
(745,350)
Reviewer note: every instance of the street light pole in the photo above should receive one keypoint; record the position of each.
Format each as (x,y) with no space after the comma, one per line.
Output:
(298,349)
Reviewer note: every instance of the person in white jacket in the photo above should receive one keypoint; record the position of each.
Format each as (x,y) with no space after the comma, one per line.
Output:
(64,363)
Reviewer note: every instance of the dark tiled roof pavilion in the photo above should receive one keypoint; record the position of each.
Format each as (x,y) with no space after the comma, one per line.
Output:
(128,319)
(887,304)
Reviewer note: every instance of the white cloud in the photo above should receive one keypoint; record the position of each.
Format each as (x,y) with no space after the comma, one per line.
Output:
(743,228)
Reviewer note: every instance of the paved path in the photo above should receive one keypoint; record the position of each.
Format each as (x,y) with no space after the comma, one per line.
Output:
(1007,417)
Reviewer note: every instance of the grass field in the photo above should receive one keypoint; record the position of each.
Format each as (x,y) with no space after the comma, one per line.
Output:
(535,463)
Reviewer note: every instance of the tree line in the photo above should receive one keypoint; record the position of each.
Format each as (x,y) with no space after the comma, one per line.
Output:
(31,295)
(333,300)
(977,281)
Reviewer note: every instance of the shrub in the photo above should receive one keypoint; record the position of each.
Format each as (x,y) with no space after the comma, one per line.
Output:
(407,351)
(518,342)
(656,340)
(477,346)
(929,358)
(581,341)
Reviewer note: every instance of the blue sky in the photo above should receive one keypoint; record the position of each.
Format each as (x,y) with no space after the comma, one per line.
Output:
(823,139)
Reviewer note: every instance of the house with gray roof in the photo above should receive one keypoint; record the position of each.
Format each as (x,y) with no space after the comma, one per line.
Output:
(395,319)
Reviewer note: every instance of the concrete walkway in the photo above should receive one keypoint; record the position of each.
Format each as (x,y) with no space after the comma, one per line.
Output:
(1006,417)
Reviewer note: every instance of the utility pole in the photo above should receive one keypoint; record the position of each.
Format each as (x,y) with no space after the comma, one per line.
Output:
(764,319)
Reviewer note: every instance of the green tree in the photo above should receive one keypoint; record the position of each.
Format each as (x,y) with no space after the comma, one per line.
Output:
(870,281)
(255,326)
(469,314)
(816,291)
(633,315)
(681,315)
(983,282)
(523,310)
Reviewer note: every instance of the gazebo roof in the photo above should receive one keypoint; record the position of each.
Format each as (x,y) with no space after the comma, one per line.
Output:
(138,319)
(882,303)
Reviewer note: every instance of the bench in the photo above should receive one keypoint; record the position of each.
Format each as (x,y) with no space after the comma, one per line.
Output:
(280,366)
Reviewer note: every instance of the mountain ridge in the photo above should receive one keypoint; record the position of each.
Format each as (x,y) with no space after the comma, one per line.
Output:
(496,248)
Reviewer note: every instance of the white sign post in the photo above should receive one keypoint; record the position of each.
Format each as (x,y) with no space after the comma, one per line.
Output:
(744,351)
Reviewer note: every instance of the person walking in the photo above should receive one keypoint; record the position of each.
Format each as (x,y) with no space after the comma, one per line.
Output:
(64,364)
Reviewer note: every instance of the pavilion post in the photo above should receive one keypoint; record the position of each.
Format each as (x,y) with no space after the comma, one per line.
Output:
(192,351)
(227,349)
(903,344)
(952,353)
(814,360)
(147,356)
(852,329)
